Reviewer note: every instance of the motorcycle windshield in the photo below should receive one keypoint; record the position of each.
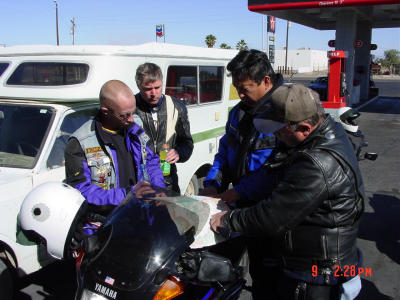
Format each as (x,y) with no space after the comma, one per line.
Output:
(144,235)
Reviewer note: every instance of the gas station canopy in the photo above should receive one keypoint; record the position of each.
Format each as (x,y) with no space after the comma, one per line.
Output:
(322,15)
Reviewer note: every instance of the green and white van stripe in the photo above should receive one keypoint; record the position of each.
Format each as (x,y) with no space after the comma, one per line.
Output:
(208,134)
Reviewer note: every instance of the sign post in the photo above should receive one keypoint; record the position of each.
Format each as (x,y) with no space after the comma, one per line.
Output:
(160,31)
(271,25)
(271,53)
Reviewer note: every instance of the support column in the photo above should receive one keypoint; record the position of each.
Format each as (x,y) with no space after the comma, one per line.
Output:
(362,57)
(345,36)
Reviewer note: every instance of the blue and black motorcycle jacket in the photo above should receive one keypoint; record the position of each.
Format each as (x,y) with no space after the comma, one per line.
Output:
(92,166)
(242,149)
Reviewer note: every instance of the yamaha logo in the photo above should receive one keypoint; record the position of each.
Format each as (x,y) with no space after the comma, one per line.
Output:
(105,291)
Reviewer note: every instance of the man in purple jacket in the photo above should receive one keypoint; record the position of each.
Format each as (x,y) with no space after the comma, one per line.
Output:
(108,156)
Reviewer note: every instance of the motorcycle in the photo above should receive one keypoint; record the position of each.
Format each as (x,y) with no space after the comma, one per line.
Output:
(143,251)
(156,248)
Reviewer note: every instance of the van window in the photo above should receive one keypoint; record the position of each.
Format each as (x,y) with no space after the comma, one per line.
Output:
(22,133)
(3,67)
(182,83)
(211,79)
(70,124)
(49,74)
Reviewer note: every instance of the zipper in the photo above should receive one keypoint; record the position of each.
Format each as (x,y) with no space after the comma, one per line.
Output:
(153,136)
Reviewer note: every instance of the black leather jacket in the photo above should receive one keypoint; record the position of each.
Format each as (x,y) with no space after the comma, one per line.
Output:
(311,217)
(182,141)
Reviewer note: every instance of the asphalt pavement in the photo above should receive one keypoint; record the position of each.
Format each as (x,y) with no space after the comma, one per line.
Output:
(379,234)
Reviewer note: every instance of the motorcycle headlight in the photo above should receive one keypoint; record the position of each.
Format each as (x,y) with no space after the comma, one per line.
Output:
(88,295)
(170,289)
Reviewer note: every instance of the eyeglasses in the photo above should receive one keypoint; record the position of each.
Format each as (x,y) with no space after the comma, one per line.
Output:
(122,117)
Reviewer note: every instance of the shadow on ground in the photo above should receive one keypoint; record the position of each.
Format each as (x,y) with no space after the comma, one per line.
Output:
(57,279)
(383,225)
(370,292)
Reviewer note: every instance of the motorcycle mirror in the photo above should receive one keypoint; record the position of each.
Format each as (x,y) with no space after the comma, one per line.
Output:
(215,268)
(95,243)
(370,155)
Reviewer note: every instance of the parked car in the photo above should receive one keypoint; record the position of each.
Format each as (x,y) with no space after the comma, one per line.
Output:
(320,85)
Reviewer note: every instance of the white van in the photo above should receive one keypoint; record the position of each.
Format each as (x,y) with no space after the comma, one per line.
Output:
(47,92)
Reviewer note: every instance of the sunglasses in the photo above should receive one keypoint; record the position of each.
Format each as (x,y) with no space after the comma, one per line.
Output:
(122,117)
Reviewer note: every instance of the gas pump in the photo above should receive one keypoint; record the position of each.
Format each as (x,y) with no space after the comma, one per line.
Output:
(337,80)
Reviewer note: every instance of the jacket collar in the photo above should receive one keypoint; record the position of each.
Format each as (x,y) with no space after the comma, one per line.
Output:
(144,105)
(324,132)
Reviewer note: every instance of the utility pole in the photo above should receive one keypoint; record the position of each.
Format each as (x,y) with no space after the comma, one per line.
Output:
(287,43)
(73,30)
(262,33)
(58,41)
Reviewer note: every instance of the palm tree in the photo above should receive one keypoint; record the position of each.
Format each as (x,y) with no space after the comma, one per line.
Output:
(241,45)
(225,46)
(210,40)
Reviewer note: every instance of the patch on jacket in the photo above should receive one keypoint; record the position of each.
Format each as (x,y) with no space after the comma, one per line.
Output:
(93,149)
(145,138)
(97,159)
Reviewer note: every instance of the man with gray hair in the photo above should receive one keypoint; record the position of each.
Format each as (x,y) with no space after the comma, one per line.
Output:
(310,218)
(164,119)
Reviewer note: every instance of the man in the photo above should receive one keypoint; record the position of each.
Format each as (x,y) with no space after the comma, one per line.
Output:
(311,217)
(243,149)
(164,119)
(108,156)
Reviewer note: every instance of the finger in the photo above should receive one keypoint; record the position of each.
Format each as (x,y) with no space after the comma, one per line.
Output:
(172,159)
(213,224)
(143,191)
(172,156)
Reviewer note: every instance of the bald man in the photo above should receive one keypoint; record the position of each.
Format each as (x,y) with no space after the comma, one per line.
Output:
(108,156)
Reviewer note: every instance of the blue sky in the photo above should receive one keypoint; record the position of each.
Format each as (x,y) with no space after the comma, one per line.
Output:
(130,22)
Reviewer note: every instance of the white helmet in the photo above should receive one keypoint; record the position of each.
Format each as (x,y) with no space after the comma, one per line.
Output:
(346,116)
(52,210)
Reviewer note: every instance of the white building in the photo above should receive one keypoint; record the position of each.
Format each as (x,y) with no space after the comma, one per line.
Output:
(301,60)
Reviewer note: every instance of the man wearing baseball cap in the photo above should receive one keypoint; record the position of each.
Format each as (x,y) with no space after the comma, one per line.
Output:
(310,219)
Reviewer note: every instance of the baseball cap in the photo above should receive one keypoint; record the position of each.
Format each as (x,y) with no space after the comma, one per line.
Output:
(288,104)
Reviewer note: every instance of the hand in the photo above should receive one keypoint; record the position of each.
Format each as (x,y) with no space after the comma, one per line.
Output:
(161,194)
(172,156)
(229,196)
(142,188)
(216,221)
(209,191)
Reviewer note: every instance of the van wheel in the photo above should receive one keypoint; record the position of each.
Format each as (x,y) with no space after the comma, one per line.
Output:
(193,187)
(6,281)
